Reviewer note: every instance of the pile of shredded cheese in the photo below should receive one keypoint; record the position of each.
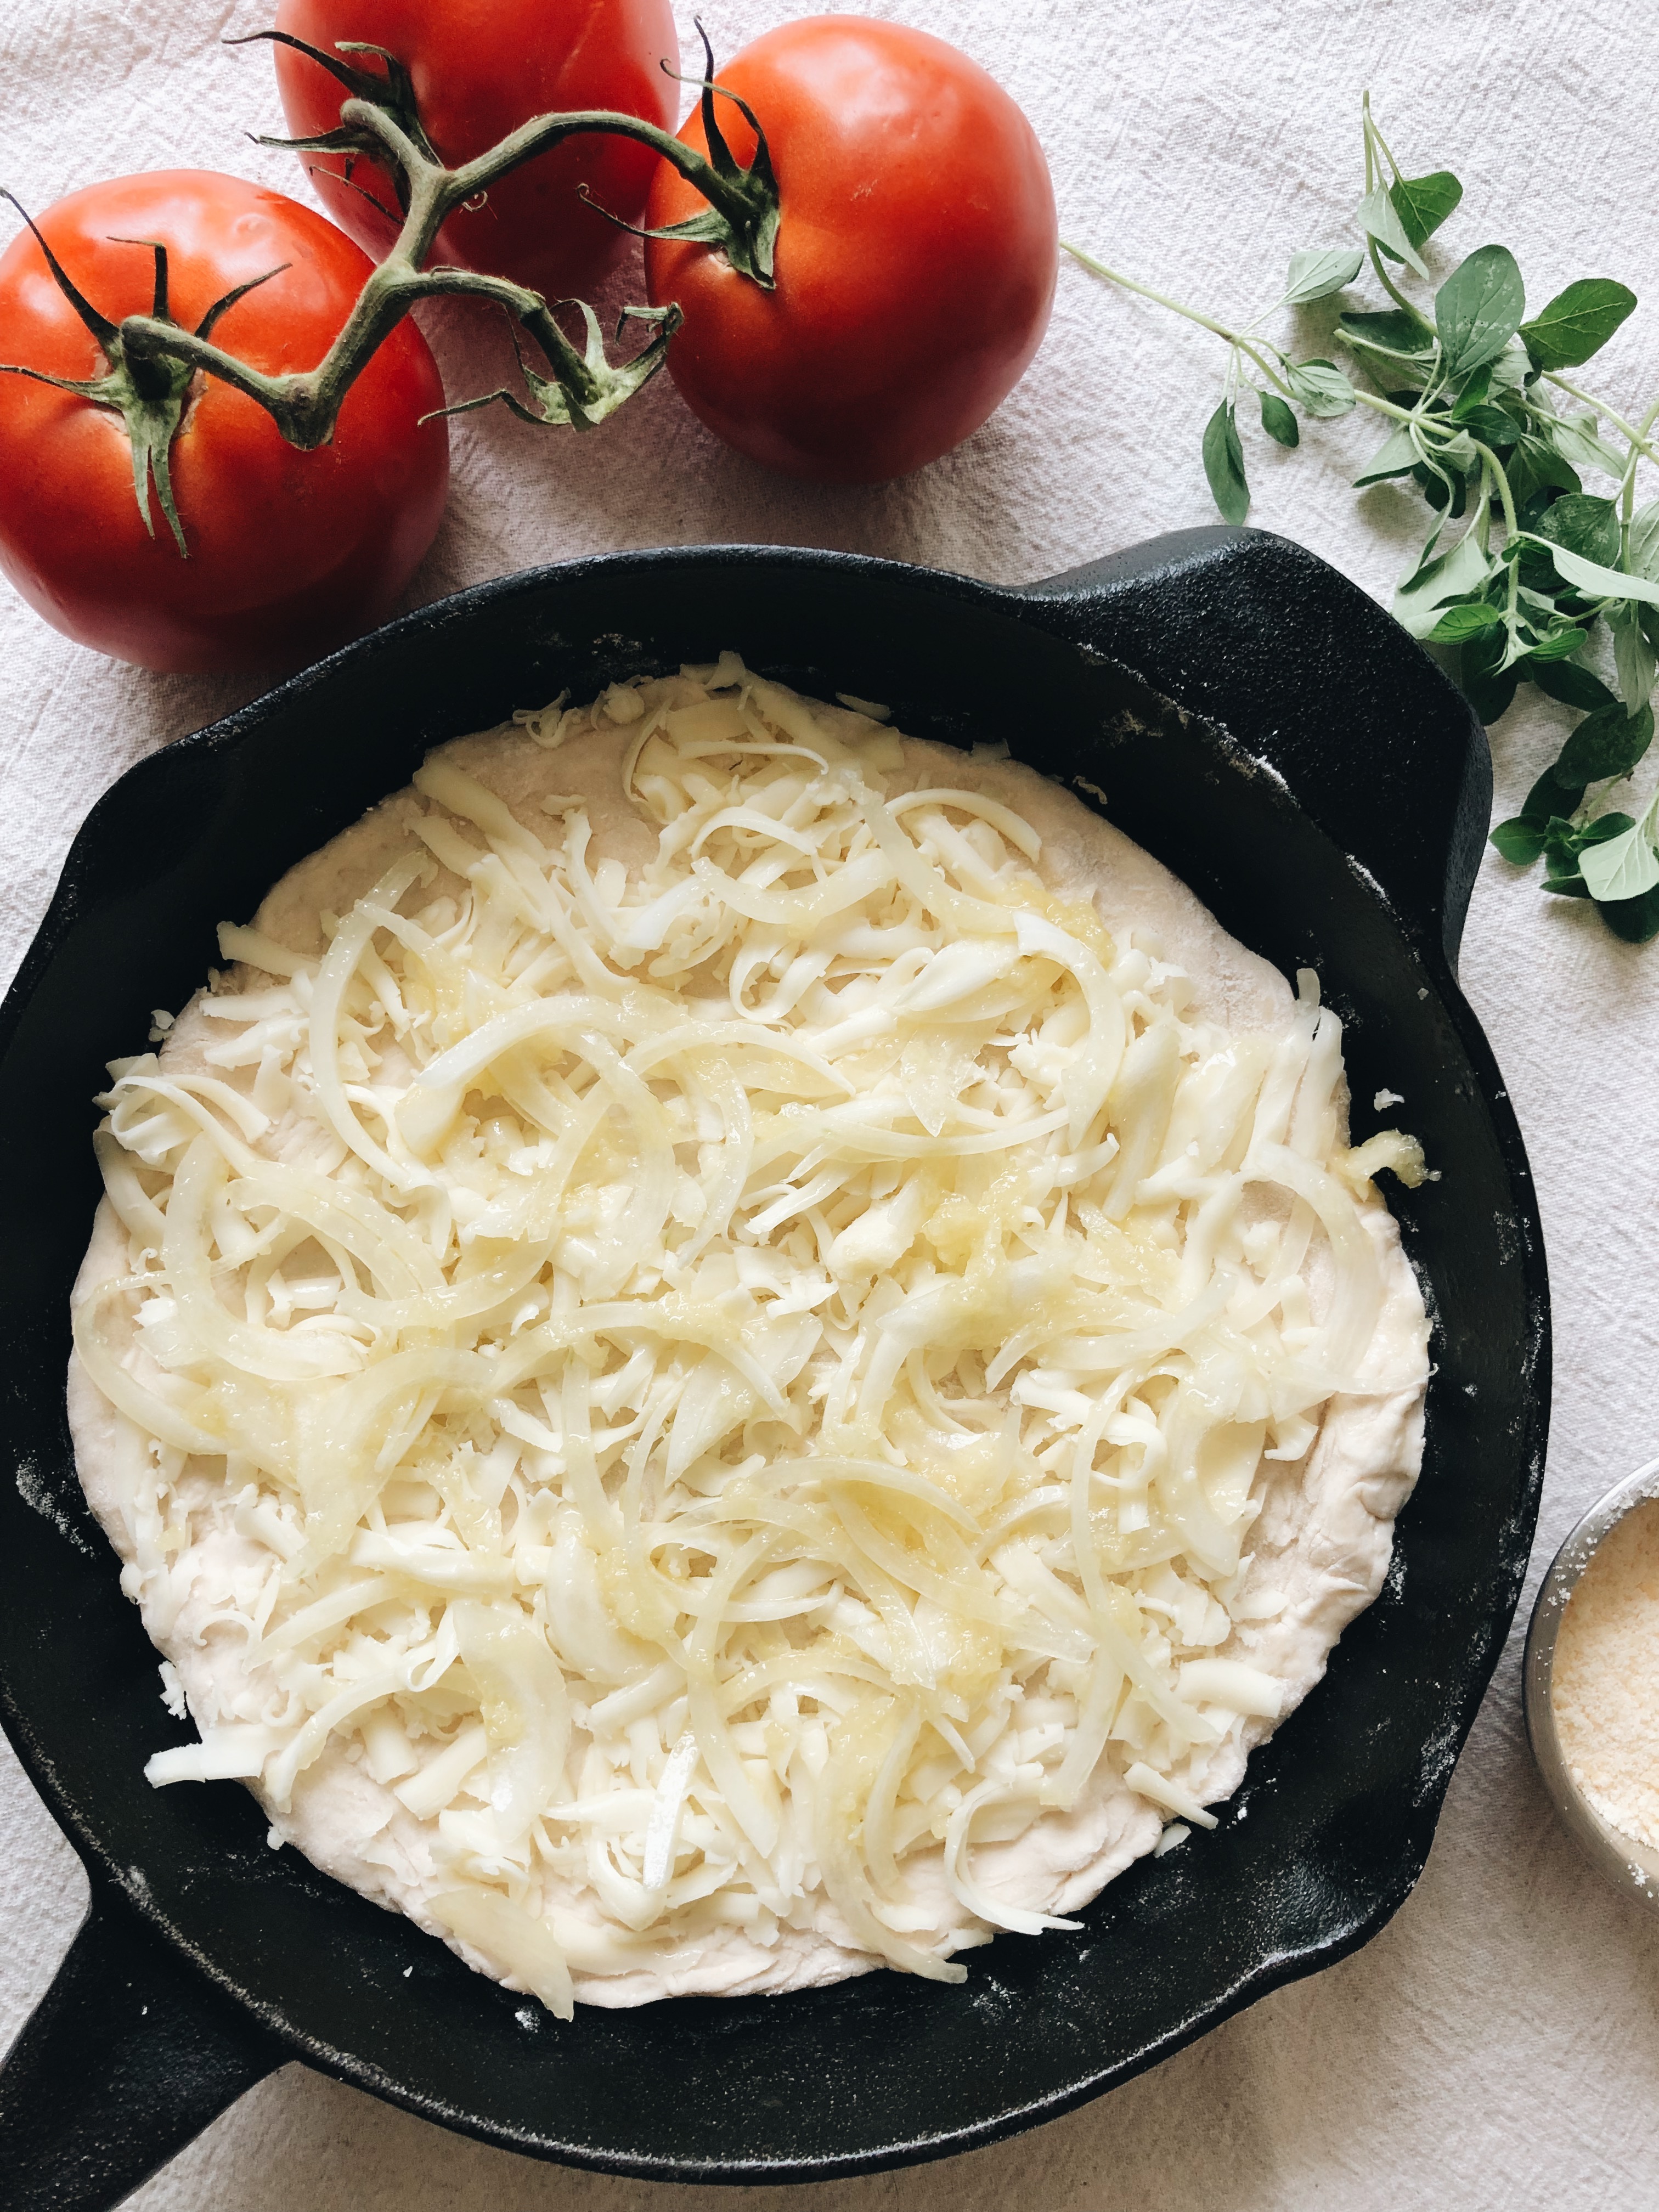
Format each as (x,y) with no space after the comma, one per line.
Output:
(745,1383)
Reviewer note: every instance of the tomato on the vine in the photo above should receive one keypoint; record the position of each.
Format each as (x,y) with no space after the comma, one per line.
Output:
(916,254)
(477,72)
(285,553)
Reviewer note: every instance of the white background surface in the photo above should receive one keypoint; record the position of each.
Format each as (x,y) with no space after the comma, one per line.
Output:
(1498,2044)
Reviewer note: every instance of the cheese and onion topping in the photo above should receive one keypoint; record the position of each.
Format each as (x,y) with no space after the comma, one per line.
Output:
(751,1379)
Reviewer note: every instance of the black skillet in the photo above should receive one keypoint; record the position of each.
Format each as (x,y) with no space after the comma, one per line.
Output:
(1324,788)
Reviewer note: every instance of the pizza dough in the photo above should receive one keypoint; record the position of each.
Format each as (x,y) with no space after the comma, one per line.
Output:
(712,1375)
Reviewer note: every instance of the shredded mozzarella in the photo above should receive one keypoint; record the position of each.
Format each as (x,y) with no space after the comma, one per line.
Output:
(753,1379)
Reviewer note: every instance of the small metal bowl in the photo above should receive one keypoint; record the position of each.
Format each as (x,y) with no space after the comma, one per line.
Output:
(1629,1866)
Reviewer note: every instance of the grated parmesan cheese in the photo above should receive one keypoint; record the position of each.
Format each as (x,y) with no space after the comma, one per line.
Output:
(1605,1681)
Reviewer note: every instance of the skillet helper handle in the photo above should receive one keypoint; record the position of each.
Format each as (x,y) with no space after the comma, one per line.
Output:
(1307,674)
(126,2058)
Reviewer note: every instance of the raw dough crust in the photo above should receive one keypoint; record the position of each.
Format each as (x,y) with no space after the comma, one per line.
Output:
(1322,1542)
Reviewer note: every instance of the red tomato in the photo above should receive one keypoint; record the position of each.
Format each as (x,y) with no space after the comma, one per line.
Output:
(915,262)
(288,552)
(481,68)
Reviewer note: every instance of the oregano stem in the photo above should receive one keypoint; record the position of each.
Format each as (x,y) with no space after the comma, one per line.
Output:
(1373,132)
(1499,481)
(1393,290)
(1367,130)
(1371,399)
(1235,338)
(1160,299)
(1378,405)
(1627,482)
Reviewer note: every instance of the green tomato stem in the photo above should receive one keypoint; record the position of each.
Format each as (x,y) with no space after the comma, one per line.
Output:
(742,221)
(305,405)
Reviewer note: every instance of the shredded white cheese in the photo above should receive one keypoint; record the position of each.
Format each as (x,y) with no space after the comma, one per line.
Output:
(749,1381)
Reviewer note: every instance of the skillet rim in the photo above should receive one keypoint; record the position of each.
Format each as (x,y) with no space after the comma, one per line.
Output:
(1037,606)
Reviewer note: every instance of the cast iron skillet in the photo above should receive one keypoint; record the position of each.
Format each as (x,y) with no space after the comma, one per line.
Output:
(1323,787)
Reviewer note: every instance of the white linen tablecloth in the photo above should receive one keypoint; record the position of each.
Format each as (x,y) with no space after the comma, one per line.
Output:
(1497,2045)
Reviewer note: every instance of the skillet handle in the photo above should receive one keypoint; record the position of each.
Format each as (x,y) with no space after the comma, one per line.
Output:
(126,2058)
(1308,675)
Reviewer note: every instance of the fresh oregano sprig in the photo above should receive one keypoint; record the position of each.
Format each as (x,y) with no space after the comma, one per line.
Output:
(1469,387)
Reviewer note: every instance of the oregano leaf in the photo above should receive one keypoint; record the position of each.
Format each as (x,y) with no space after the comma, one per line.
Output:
(1550,796)
(1475,386)
(1223,464)
(1536,466)
(1423,204)
(1635,920)
(1574,687)
(1380,219)
(1510,370)
(1322,271)
(1574,437)
(1642,555)
(1396,457)
(1608,743)
(1491,694)
(1585,525)
(1624,865)
(1599,832)
(1478,310)
(1576,323)
(1468,618)
(1633,657)
(1458,575)
(1280,421)
(1593,581)
(1555,645)
(1394,334)
(1492,425)
(1519,840)
(1321,387)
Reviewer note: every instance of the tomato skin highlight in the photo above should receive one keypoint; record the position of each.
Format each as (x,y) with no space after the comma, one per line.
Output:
(289,553)
(480,69)
(917,260)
